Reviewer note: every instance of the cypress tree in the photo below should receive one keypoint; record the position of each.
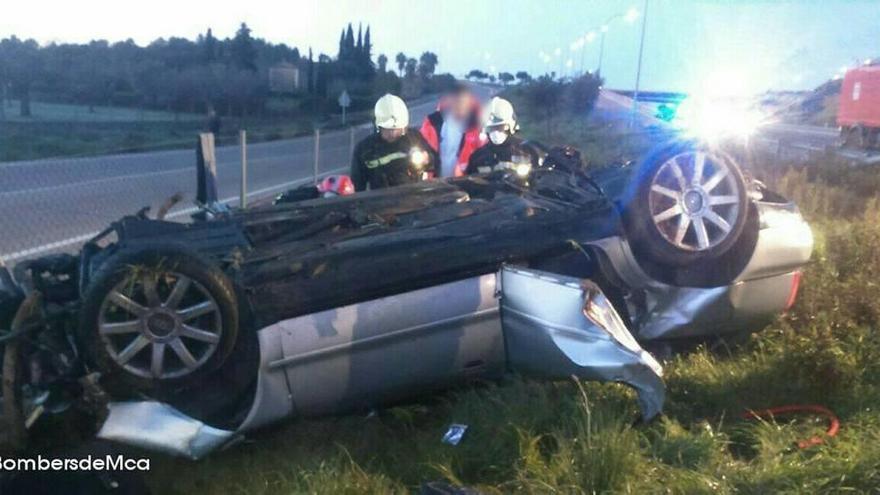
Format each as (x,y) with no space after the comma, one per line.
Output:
(349,41)
(368,46)
(341,53)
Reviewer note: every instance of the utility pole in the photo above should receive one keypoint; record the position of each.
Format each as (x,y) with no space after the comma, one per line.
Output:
(639,67)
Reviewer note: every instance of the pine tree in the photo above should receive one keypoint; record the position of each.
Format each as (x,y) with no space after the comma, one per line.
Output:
(243,52)
(360,41)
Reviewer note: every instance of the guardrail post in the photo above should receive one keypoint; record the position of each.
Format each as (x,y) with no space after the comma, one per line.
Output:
(317,153)
(242,138)
(206,161)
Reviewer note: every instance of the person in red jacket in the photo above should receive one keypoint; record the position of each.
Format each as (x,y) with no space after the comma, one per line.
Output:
(454,131)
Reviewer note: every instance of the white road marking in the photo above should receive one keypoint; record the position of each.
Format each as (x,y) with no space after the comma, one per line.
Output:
(251,161)
(47,247)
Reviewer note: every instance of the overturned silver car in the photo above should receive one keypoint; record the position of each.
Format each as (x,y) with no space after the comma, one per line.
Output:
(195,333)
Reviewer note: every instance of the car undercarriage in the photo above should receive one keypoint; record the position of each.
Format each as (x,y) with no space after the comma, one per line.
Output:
(190,334)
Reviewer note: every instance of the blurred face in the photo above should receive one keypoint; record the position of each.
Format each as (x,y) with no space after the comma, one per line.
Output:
(460,105)
(391,135)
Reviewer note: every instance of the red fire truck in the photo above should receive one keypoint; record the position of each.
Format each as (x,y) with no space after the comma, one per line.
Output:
(859,112)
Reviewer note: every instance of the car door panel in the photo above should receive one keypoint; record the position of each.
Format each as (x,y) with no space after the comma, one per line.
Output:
(366,354)
(556,327)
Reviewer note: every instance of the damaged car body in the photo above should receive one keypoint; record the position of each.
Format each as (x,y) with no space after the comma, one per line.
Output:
(202,331)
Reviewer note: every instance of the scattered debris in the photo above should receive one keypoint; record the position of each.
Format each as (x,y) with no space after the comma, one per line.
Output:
(454,433)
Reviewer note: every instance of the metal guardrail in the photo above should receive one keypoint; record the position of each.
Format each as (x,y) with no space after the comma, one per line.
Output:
(798,150)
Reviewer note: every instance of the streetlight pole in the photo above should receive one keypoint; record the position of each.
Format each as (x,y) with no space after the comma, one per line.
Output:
(586,40)
(639,67)
(604,29)
(629,15)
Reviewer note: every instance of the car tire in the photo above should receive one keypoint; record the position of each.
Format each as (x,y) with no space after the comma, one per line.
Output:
(157,319)
(686,204)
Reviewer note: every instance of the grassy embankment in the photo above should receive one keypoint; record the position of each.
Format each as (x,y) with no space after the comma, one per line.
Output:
(528,437)
(61,130)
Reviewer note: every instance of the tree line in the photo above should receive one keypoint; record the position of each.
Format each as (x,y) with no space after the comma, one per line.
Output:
(228,76)
(504,77)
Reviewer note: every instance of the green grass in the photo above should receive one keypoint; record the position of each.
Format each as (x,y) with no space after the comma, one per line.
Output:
(44,139)
(66,112)
(34,140)
(535,437)
(60,130)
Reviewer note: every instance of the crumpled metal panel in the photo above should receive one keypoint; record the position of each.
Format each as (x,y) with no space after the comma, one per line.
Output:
(669,311)
(557,326)
(759,292)
(160,427)
(674,312)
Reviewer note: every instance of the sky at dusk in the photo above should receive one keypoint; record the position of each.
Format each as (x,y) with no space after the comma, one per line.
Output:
(688,44)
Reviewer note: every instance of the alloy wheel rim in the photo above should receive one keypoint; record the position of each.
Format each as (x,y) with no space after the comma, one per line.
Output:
(694,201)
(160,325)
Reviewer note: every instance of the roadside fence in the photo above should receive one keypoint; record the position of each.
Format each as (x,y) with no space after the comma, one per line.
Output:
(54,205)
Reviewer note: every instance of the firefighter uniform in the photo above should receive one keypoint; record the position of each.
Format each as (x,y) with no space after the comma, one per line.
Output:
(490,155)
(377,163)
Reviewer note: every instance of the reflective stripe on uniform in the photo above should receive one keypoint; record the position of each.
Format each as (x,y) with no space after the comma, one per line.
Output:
(385,160)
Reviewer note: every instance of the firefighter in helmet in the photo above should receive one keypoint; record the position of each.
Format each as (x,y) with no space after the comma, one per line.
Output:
(503,150)
(393,155)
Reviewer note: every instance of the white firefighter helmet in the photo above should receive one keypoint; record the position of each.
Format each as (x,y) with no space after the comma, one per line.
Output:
(499,112)
(391,113)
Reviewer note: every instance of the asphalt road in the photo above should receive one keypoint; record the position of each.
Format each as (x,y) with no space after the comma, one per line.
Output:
(806,135)
(56,204)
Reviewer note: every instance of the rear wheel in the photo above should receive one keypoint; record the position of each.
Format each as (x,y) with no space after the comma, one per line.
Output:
(156,317)
(690,204)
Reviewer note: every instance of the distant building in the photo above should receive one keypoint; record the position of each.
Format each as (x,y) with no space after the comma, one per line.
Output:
(284,77)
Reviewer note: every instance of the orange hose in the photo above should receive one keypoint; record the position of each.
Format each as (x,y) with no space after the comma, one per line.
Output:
(833,422)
